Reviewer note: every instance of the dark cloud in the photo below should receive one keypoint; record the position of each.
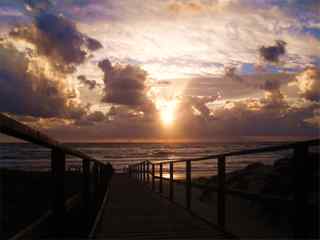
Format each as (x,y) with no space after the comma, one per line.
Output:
(270,116)
(309,84)
(93,44)
(92,118)
(58,39)
(198,105)
(273,53)
(90,83)
(231,72)
(38,5)
(260,80)
(270,85)
(25,92)
(125,85)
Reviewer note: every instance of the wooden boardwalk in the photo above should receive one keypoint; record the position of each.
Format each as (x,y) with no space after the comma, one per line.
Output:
(134,212)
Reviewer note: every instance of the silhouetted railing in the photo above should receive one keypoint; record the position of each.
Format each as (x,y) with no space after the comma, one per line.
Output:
(95,175)
(142,172)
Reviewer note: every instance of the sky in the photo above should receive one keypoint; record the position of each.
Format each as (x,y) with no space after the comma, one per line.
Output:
(169,70)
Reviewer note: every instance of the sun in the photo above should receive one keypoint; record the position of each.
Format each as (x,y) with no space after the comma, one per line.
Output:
(167,116)
(167,110)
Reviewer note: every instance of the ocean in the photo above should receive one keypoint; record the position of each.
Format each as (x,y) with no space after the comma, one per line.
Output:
(25,156)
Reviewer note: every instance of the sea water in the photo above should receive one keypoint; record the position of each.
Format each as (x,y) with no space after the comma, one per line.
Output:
(25,156)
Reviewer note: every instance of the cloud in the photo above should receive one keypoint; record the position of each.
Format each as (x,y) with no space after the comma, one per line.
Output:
(90,83)
(273,53)
(26,90)
(198,104)
(186,7)
(260,79)
(91,119)
(308,83)
(125,85)
(270,116)
(58,39)
(37,6)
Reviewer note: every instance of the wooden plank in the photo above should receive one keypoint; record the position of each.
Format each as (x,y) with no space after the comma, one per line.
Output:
(136,213)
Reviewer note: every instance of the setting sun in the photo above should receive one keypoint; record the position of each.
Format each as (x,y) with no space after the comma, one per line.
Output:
(167,116)
(167,112)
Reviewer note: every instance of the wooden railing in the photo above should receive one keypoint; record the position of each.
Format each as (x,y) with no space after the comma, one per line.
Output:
(95,182)
(146,169)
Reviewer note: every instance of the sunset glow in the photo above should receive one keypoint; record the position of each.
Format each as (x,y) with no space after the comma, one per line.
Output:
(167,115)
(126,70)
(167,110)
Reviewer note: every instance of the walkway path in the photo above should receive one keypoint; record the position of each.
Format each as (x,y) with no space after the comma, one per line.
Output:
(134,212)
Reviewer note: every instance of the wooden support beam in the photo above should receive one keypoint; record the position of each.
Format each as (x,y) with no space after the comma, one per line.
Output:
(221,192)
(153,178)
(86,187)
(160,180)
(58,165)
(301,183)
(144,172)
(171,181)
(148,172)
(188,184)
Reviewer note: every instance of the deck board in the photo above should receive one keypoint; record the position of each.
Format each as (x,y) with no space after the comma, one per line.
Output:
(133,211)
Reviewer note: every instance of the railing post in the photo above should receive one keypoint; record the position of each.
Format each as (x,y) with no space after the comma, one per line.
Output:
(137,172)
(148,172)
(58,165)
(188,184)
(144,171)
(221,191)
(171,181)
(160,180)
(86,186)
(301,218)
(95,182)
(153,180)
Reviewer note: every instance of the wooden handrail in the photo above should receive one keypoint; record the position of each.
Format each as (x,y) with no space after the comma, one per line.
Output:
(246,152)
(298,166)
(21,131)
(100,175)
